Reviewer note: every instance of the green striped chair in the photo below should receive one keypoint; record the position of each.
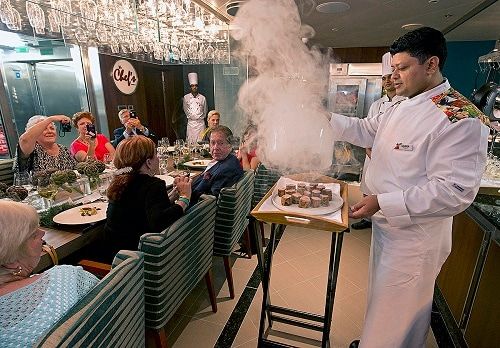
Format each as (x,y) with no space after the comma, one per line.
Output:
(6,172)
(264,180)
(234,204)
(111,314)
(175,260)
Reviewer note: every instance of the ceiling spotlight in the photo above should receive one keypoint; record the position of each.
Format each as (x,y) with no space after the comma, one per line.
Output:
(411,26)
(448,15)
(433,1)
(333,7)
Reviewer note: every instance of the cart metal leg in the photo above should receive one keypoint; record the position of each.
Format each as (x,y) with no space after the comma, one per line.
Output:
(292,316)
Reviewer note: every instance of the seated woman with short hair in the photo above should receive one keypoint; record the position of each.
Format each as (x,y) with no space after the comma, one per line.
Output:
(87,145)
(138,201)
(38,148)
(31,305)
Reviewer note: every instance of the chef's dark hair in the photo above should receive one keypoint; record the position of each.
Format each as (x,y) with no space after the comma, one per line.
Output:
(422,43)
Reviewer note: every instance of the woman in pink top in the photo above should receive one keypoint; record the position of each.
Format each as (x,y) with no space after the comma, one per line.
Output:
(89,144)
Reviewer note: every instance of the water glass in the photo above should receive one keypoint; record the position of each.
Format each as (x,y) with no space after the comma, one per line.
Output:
(163,166)
(108,158)
(179,144)
(23,179)
(165,142)
(177,158)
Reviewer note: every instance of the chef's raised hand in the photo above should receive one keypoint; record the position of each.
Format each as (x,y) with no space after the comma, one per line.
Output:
(364,208)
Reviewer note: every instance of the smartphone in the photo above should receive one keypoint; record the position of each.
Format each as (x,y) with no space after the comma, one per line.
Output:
(91,130)
(66,127)
(133,114)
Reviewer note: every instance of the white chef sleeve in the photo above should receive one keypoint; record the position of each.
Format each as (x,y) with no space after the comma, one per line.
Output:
(455,164)
(360,132)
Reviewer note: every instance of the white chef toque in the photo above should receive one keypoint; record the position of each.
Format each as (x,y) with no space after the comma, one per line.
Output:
(386,64)
(193,78)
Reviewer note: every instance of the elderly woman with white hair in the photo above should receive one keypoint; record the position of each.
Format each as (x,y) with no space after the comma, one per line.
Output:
(38,148)
(31,304)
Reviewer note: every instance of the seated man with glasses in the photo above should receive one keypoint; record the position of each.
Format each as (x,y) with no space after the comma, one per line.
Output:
(224,170)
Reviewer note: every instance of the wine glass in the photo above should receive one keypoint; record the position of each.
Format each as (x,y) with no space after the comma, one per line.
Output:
(177,158)
(23,179)
(48,192)
(108,159)
(186,150)
(104,181)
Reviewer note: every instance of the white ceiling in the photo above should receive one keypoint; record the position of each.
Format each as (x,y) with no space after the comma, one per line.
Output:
(374,23)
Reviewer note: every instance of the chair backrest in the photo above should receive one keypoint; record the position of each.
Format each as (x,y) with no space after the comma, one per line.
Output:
(111,314)
(6,172)
(264,180)
(233,207)
(176,259)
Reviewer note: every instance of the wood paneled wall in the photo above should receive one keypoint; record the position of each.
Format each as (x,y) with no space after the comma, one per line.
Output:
(358,54)
(159,90)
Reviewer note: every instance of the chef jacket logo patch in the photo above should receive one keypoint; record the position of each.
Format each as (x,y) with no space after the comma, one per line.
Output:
(403,147)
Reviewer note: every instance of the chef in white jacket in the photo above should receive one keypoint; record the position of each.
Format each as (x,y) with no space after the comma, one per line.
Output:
(195,108)
(378,107)
(428,156)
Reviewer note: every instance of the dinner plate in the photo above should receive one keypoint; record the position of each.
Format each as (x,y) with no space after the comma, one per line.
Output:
(74,216)
(335,204)
(169,181)
(197,164)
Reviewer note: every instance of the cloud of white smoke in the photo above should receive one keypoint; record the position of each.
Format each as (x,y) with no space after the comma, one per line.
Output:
(285,98)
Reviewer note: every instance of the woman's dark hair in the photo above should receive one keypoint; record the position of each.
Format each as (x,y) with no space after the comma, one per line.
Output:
(131,152)
(422,43)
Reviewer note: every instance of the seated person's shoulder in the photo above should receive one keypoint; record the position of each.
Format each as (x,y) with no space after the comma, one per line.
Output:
(73,273)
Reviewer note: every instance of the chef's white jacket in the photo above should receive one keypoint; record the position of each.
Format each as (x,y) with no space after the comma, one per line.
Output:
(377,108)
(428,156)
(195,109)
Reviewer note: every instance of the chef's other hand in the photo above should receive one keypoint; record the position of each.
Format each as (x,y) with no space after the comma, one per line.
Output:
(364,208)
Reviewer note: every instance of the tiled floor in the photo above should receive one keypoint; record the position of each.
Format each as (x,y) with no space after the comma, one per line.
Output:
(298,280)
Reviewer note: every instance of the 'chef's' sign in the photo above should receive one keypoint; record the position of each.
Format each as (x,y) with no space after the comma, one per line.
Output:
(125,77)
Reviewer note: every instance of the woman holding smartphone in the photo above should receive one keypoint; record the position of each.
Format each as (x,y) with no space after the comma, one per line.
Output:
(89,144)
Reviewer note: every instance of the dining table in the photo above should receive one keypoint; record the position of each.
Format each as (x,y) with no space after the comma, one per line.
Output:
(67,240)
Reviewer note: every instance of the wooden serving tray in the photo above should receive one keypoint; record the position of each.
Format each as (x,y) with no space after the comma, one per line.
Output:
(305,220)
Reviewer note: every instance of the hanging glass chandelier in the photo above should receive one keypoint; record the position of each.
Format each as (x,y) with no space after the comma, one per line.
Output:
(162,31)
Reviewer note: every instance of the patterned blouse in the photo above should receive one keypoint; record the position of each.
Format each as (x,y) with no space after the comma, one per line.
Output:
(28,313)
(41,160)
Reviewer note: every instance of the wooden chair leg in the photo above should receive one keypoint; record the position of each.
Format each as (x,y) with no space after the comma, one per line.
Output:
(211,292)
(261,225)
(229,275)
(159,337)
(248,244)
